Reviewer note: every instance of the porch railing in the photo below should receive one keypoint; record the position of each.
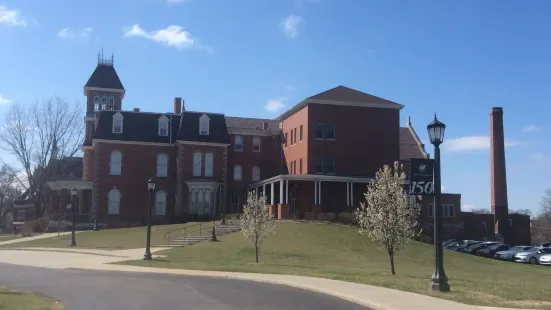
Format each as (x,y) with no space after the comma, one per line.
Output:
(184,232)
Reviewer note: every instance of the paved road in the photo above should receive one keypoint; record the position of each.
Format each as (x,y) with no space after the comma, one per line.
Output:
(93,290)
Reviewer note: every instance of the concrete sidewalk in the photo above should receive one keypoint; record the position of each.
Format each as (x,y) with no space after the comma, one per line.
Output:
(42,236)
(377,298)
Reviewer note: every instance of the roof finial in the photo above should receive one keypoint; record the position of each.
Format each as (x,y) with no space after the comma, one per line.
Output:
(99,57)
(409,121)
(112,58)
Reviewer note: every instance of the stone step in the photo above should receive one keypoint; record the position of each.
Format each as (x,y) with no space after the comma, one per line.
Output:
(204,236)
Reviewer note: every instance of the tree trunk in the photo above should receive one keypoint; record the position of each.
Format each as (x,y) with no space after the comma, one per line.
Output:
(391,255)
(256,250)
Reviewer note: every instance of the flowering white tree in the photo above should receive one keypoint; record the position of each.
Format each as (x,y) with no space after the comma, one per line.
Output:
(388,216)
(256,223)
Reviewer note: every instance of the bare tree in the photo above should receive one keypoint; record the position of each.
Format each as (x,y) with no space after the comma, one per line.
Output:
(8,189)
(388,216)
(30,132)
(256,223)
(541,225)
(521,211)
(481,211)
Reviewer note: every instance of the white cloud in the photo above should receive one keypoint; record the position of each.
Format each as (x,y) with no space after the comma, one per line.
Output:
(274,105)
(11,17)
(174,36)
(473,143)
(442,188)
(68,33)
(290,25)
(4,100)
(531,128)
(468,207)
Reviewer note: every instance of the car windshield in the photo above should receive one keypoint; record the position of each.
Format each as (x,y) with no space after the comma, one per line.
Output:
(518,248)
(496,246)
(532,250)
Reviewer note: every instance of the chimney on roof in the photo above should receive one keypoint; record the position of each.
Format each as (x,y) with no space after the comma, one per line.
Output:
(498,177)
(177,105)
(136,110)
(265,125)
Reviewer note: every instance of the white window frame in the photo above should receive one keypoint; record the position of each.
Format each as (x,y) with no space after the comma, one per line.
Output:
(162,165)
(334,132)
(163,126)
(97,103)
(237,173)
(334,166)
(111,103)
(115,168)
(104,102)
(240,139)
(256,173)
(322,162)
(300,134)
(160,202)
(447,209)
(204,125)
(197,164)
(118,117)
(114,202)
(256,140)
(209,164)
(322,131)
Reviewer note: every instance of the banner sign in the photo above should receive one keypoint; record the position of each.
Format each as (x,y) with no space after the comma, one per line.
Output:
(421,180)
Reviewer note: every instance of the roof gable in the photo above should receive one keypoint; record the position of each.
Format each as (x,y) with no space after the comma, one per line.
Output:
(410,145)
(104,76)
(343,93)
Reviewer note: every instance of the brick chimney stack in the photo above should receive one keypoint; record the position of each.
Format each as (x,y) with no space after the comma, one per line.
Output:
(500,207)
(177,105)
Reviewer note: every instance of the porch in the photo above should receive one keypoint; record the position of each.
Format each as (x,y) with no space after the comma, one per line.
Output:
(60,198)
(297,196)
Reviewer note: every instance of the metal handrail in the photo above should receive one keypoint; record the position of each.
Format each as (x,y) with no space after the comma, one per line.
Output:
(188,230)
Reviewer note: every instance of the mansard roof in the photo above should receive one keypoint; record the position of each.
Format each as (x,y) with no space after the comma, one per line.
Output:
(189,128)
(251,123)
(137,126)
(343,93)
(104,76)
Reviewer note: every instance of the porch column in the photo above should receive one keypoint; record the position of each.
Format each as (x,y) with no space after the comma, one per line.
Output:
(80,201)
(315,192)
(256,192)
(347,194)
(352,193)
(319,192)
(281,191)
(287,191)
(264,190)
(272,193)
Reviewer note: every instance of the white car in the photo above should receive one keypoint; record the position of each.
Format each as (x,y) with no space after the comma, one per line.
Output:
(545,259)
(531,256)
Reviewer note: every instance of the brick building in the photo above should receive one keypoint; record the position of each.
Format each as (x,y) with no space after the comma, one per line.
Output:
(316,157)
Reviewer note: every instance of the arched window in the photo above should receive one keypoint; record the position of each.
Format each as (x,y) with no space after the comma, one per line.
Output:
(197,164)
(104,103)
(208,164)
(111,105)
(160,203)
(162,165)
(238,143)
(256,144)
(256,173)
(237,173)
(116,163)
(113,202)
(96,103)
(163,126)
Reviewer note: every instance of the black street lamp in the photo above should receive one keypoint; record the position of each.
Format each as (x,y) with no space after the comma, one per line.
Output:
(439,280)
(73,209)
(150,188)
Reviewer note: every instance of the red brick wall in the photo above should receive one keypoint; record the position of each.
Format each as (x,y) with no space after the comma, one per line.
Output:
(298,150)
(366,138)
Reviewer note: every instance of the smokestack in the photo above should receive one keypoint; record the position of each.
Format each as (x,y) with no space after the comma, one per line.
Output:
(500,207)
(177,105)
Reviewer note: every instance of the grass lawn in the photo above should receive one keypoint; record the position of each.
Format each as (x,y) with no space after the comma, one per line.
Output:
(12,299)
(108,239)
(339,252)
(9,237)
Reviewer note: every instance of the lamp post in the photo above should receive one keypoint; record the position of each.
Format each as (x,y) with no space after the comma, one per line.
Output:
(439,280)
(150,188)
(73,211)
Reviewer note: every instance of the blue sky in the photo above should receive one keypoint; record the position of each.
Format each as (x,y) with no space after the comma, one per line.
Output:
(256,58)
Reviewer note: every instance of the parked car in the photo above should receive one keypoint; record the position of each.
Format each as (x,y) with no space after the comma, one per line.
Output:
(467,246)
(543,245)
(449,242)
(478,246)
(545,260)
(531,256)
(510,253)
(455,244)
(492,250)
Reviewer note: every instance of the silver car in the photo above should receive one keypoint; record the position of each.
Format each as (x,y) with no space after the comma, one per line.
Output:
(545,259)
(510,253)
(531,256)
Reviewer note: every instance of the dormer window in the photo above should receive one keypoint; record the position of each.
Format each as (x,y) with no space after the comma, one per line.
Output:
(117,122)
(96,103)
(204,125)
(111,105)
(163,126)
(104,103)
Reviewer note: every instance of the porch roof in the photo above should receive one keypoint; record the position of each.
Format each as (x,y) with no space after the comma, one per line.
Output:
(78,184)
(312,177)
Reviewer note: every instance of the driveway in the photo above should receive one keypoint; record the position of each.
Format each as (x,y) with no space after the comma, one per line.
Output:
(92,290)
